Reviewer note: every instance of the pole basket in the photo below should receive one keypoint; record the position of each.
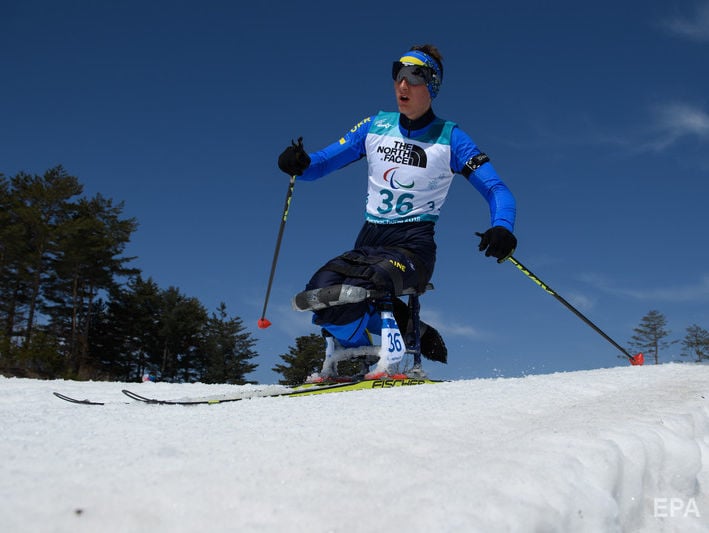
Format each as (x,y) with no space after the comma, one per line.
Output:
(637,360)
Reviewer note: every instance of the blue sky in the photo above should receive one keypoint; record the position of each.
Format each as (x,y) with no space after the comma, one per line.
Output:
(596,115)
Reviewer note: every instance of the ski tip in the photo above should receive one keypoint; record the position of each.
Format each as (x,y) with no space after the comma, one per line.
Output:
(133,396)
(637,360)
(263,323)
(75,400)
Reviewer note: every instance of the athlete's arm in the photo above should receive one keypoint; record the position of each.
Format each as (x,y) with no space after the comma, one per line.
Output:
(341,153)
(468,160)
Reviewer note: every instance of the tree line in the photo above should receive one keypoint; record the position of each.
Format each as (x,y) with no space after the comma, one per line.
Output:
(651,336)
(72,307)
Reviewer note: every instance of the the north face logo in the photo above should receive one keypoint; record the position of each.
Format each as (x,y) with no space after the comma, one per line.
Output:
(404,154)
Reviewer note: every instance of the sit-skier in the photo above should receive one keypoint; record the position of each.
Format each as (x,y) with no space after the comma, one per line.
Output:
(412,157)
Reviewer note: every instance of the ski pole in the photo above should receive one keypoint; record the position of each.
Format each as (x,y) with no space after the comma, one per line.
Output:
(263,322)
(637,360)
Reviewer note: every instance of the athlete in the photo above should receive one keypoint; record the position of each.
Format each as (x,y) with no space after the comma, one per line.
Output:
(412,157)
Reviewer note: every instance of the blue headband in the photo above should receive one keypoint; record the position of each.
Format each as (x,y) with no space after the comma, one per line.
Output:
(419,58)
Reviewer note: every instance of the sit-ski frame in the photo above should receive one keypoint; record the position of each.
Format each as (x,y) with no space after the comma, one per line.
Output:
(393,345)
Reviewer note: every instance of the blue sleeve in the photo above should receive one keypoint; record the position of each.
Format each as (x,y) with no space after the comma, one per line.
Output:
(503,208)
(341,153)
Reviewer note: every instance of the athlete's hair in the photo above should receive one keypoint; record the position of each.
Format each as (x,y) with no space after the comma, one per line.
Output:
(432,51)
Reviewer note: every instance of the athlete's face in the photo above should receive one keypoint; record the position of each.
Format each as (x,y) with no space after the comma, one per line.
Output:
(413,100)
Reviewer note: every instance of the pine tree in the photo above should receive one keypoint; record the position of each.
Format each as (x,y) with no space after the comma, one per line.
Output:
(696,343)
(11,232)
(87,262)
(33,208)
(39,205)
(133,332)
(227,350)
(107,348)
(649,334)
(307,357)
(182,320)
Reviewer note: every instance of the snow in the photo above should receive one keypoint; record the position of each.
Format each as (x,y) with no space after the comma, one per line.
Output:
(621,449)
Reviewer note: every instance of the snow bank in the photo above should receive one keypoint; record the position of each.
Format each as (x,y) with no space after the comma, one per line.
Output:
(623,449)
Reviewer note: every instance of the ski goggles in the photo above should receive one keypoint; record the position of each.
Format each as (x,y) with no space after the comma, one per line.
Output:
(413,74)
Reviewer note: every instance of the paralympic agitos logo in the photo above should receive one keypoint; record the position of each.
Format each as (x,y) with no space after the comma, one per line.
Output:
(389,177)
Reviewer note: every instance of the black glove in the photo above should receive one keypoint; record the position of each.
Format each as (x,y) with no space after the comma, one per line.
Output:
(499,241)
(294,160)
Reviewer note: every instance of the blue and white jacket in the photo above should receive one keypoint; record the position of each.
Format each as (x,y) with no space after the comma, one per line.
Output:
(410,170)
